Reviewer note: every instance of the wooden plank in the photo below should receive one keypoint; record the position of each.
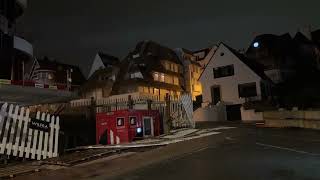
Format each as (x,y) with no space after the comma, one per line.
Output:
(57,127)
(12,130)
(3,115)
(30,138)
(4,139)
(19,130)
(45,145)
(35,140)
(26,120)
(51,135)
(39,148)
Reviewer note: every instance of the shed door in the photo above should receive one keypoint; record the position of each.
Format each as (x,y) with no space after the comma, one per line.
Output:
(147,126)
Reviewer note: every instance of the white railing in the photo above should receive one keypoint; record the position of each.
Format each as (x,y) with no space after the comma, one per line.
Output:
(22,136)
(81,103)
(181,107)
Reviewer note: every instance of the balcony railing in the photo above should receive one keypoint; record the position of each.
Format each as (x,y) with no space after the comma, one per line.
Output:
(28,83)
(23,45)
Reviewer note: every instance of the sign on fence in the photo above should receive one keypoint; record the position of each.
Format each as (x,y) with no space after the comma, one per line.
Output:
(21,136)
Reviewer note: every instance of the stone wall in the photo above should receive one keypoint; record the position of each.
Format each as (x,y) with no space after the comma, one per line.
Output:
(299,119)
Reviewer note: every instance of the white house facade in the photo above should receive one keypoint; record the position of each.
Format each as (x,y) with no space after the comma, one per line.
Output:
(229,79)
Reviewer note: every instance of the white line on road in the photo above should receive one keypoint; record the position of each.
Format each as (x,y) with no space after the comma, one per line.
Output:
(288,149)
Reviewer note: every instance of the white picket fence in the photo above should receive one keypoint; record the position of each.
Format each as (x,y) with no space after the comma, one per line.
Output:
(19,139)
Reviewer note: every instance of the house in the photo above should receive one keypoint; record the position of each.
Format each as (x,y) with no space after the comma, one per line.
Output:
(100,83)
(192,70)
(202,54)
(102,61)
(102,75)
(276,53)
(233,79)
(15,51)
(48,72)
(151,69)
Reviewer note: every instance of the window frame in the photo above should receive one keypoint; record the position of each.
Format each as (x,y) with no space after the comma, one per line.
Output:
(217,71)
(135,121)
(246,90)
(122,124)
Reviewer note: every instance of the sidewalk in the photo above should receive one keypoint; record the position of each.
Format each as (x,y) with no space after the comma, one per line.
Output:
(175,136)
(86,154)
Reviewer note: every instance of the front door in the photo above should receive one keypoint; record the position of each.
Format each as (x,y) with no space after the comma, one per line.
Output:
(215,94)
(147,126)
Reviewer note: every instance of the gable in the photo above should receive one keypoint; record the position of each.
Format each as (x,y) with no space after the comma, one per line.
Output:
(96,65)
(224,57)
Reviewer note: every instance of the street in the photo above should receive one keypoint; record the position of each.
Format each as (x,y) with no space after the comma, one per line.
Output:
(245,153)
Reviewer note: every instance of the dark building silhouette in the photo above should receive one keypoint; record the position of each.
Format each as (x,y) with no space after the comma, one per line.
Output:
(14,51)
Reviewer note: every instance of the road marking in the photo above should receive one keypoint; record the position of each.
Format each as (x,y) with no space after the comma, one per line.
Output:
(288,149)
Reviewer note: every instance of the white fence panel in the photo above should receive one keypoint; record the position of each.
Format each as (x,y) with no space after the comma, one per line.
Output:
(22,136)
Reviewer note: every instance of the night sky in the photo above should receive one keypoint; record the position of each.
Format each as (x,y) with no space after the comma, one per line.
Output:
(74,30)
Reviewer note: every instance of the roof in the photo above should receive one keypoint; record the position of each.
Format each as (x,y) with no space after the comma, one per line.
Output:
(316,36)
(60,68)
(108,60)
(150,59)
(151,48)
(95,82)
(254,66)
(301,38)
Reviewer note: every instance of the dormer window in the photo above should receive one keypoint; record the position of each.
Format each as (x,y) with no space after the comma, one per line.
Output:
(136,75)
(135,56)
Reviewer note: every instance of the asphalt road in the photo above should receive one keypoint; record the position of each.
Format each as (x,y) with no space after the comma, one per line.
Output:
(247,153)
(244,153)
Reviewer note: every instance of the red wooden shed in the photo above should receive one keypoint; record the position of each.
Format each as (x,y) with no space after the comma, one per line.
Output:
(124,126)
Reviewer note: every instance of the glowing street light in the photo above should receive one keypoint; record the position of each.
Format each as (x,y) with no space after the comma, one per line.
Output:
(256,44)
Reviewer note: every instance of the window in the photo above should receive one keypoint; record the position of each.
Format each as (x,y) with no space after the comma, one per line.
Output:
(133,120)
(223,71)
(156,76)
(50,76)
(120,121)
(136,75)
(175,80)
(247,90)
(161,77)
(156,91)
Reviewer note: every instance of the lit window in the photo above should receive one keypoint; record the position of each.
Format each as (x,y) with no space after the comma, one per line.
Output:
(133,120)
(156,91)
(156,76)
(120,121)
(50,76)
(161,77)
(175,81)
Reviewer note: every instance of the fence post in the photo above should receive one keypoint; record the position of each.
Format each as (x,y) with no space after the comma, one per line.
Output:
(93,109)
(149,102)
(130,102)
(167,118)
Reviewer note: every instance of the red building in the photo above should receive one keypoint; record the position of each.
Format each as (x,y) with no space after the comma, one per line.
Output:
(126,125)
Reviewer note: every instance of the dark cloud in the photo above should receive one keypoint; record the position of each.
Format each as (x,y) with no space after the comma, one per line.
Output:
(74,30)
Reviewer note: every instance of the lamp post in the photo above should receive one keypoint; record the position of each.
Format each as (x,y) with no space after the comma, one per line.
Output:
(69,79)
